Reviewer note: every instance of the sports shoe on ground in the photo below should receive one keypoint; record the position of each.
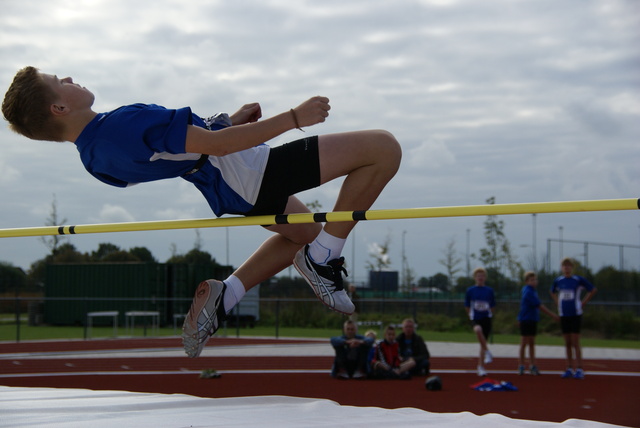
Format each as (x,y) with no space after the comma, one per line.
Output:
(568,373)
(325,281)
(534,371)
(205,316)
(482,371)
(579,374)
(342,374)
(520,370)
(358,374)
(488,358)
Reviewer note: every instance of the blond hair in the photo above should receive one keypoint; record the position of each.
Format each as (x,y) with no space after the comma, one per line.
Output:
(567,261)
(478,270)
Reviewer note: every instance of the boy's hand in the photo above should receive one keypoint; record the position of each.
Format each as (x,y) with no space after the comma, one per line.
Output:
(314,110)
(248,113)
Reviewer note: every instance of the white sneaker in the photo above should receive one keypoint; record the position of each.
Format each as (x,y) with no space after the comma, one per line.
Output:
(325,281)
(205,316)
(481,371)
(488,358)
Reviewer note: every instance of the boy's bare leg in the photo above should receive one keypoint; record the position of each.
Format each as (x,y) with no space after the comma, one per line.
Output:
(532,350)
(277,252)
(369,159)
(568,343)
(521,354)
(577,349)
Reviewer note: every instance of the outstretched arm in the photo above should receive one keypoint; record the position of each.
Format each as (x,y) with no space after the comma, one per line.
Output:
(547,311)
(251,132)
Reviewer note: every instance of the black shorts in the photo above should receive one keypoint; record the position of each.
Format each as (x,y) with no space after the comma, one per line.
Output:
(291,168)
(485,324)
(528,328)
(571,324)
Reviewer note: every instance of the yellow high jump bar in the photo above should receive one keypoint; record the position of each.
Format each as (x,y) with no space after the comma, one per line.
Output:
(264,220)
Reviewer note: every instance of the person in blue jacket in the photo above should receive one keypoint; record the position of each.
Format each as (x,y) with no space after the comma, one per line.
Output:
(479,303)
(528,317)
(566,291)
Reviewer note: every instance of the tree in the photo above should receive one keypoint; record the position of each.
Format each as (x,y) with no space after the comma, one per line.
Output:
(198,244)
(195,256)
(451,260)
(12,278)
(52,242)
(380,255)
(439,281)
(314,206)
(409,279)
(498,256)
(104,250)
(143,254)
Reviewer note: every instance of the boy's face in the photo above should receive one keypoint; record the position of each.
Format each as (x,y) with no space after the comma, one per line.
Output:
(567,269)
(69,94)
(532,281)
(480,278)
(390,335)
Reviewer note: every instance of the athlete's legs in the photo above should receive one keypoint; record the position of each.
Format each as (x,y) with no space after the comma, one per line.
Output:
(369,159)
(532,350)
(577,348)
(483,343)
(568,344)
(277,252)
(521,353)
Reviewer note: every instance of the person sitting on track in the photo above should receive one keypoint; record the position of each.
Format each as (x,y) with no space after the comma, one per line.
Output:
(388,363)
(352,352)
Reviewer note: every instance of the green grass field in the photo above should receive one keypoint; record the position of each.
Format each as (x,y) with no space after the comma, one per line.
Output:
(8,333)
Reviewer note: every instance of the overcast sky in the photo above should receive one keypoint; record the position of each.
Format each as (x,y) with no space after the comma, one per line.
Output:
(527,101)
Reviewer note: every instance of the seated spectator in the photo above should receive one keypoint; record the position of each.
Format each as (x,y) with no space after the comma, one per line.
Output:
(370,334)
(352,351)
(387,362)
(413,346)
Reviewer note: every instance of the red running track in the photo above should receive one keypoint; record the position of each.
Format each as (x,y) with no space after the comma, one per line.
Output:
(608,393)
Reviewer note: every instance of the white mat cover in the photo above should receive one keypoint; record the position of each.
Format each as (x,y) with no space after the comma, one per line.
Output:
(70,408)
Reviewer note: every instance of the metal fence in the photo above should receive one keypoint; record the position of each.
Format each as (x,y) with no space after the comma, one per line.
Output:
(153,313)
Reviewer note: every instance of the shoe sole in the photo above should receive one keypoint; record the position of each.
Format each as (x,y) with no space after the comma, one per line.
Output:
(191,332)
(315,288)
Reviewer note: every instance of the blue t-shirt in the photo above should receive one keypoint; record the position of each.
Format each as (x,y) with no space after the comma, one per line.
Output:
(569,291)
(479,300)
(146,142)
(529,304)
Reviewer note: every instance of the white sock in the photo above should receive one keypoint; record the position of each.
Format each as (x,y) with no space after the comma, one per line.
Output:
(325,247)
(235,292)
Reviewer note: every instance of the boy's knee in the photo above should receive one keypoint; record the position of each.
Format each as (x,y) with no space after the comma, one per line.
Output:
(391,144)
(388,149)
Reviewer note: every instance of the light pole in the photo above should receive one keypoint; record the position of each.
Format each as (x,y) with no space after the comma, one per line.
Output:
(561,250)
(468,260)
(534,243)
(353,255)
(227,235)
(404,264)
